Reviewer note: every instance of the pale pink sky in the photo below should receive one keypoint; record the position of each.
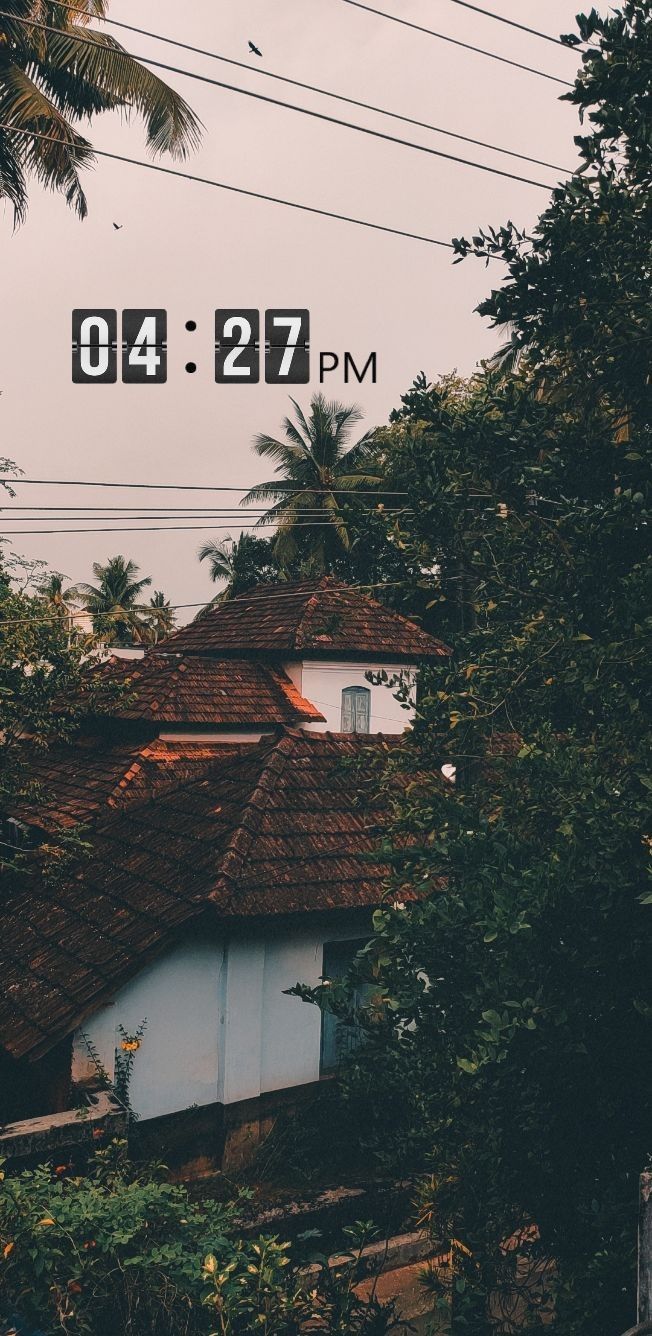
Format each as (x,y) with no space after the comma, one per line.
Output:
(191,249)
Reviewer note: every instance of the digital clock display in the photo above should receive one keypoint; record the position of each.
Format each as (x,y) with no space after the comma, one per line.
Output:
(143,346)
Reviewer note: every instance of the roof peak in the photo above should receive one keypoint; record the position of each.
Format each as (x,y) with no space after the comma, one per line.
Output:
(322,617)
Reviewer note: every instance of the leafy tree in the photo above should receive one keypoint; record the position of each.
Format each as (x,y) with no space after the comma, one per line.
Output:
(240,563)
(577,297)
(315,466)
(42,663)
(51,79)
(507,1033)
(114,601)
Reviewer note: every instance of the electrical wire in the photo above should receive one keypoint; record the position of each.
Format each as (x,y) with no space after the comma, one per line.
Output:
(172,528)
(455,41)
(500,18)
(327,92)
(203,514)
(292,106)
(189,486)
(178,607)
(240,190)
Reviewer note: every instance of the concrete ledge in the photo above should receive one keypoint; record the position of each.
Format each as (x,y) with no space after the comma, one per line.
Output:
(38,1138)
(388,1254)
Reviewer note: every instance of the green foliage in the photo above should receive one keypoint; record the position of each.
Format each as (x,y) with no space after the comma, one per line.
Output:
(121,1250)
(44,664)
(159,622)
(577,299)
(51,79)
(507,1038)
(240,563)
(114,602)
(315,466)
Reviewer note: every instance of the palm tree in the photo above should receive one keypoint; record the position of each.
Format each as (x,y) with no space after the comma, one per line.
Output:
(50,79)
(316,465)
(113,602)
(60,601)
(160,621)
(242,563)
(219,555)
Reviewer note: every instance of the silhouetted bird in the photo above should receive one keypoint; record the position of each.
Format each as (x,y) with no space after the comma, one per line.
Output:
(118,226)
(254,49)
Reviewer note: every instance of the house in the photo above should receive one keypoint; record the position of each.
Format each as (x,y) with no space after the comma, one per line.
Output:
(234,853)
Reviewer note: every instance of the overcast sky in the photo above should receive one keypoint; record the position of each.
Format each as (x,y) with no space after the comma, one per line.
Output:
(191,248)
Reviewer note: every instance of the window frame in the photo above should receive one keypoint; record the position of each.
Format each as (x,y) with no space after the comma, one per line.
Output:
(352,696)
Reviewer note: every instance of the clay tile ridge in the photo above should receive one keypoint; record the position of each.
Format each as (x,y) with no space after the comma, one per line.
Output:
(244,836)
(289,694)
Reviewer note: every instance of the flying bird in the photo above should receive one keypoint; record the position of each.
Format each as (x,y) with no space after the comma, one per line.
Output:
(118,226)
(254,49)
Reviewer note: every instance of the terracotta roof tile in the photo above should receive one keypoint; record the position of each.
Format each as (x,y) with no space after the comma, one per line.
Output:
(267,829)
(171,689)
(323,618)
(75,783)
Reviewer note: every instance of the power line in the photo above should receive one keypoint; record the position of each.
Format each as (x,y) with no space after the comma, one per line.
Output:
(240,190)
(292,106)
(173,528)
(327,92)
(488,14)
(160,513)
(177,607)
(190,486)
(455,41)
(246,516)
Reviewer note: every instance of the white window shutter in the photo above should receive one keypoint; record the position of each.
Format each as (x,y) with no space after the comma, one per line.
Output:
(356,709)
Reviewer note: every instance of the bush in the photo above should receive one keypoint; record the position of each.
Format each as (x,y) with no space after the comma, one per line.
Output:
(122,1250)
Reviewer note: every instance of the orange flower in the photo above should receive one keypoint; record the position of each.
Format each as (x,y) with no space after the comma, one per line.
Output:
(130,1045)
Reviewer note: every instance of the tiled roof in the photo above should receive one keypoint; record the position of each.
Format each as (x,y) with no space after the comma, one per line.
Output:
(272,828)
(322,618)
(168,688)
(73,784)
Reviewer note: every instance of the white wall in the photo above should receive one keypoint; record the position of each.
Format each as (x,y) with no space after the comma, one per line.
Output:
(219,1024)
(177,1063)
(323,684)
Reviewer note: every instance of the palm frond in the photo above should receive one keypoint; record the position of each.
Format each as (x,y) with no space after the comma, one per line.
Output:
(286,511)
(172,126)
(305,427)
(361,451)
(24,106)
(350,481)
(50,79)
(286,454)
(344,419)
(263,491)
(13,185)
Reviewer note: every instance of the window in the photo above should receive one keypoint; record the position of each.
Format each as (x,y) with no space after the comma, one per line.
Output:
(356,709)
(15,833)
(338,1039)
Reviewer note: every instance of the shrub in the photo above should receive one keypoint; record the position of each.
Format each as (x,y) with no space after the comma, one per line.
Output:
(123,1250)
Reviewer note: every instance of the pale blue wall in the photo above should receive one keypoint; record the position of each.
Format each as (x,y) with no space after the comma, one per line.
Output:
(220,1026)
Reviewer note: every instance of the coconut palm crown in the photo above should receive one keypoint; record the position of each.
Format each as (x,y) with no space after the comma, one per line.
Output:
(113,602)
(316,467)
(49,80)
(239,563)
